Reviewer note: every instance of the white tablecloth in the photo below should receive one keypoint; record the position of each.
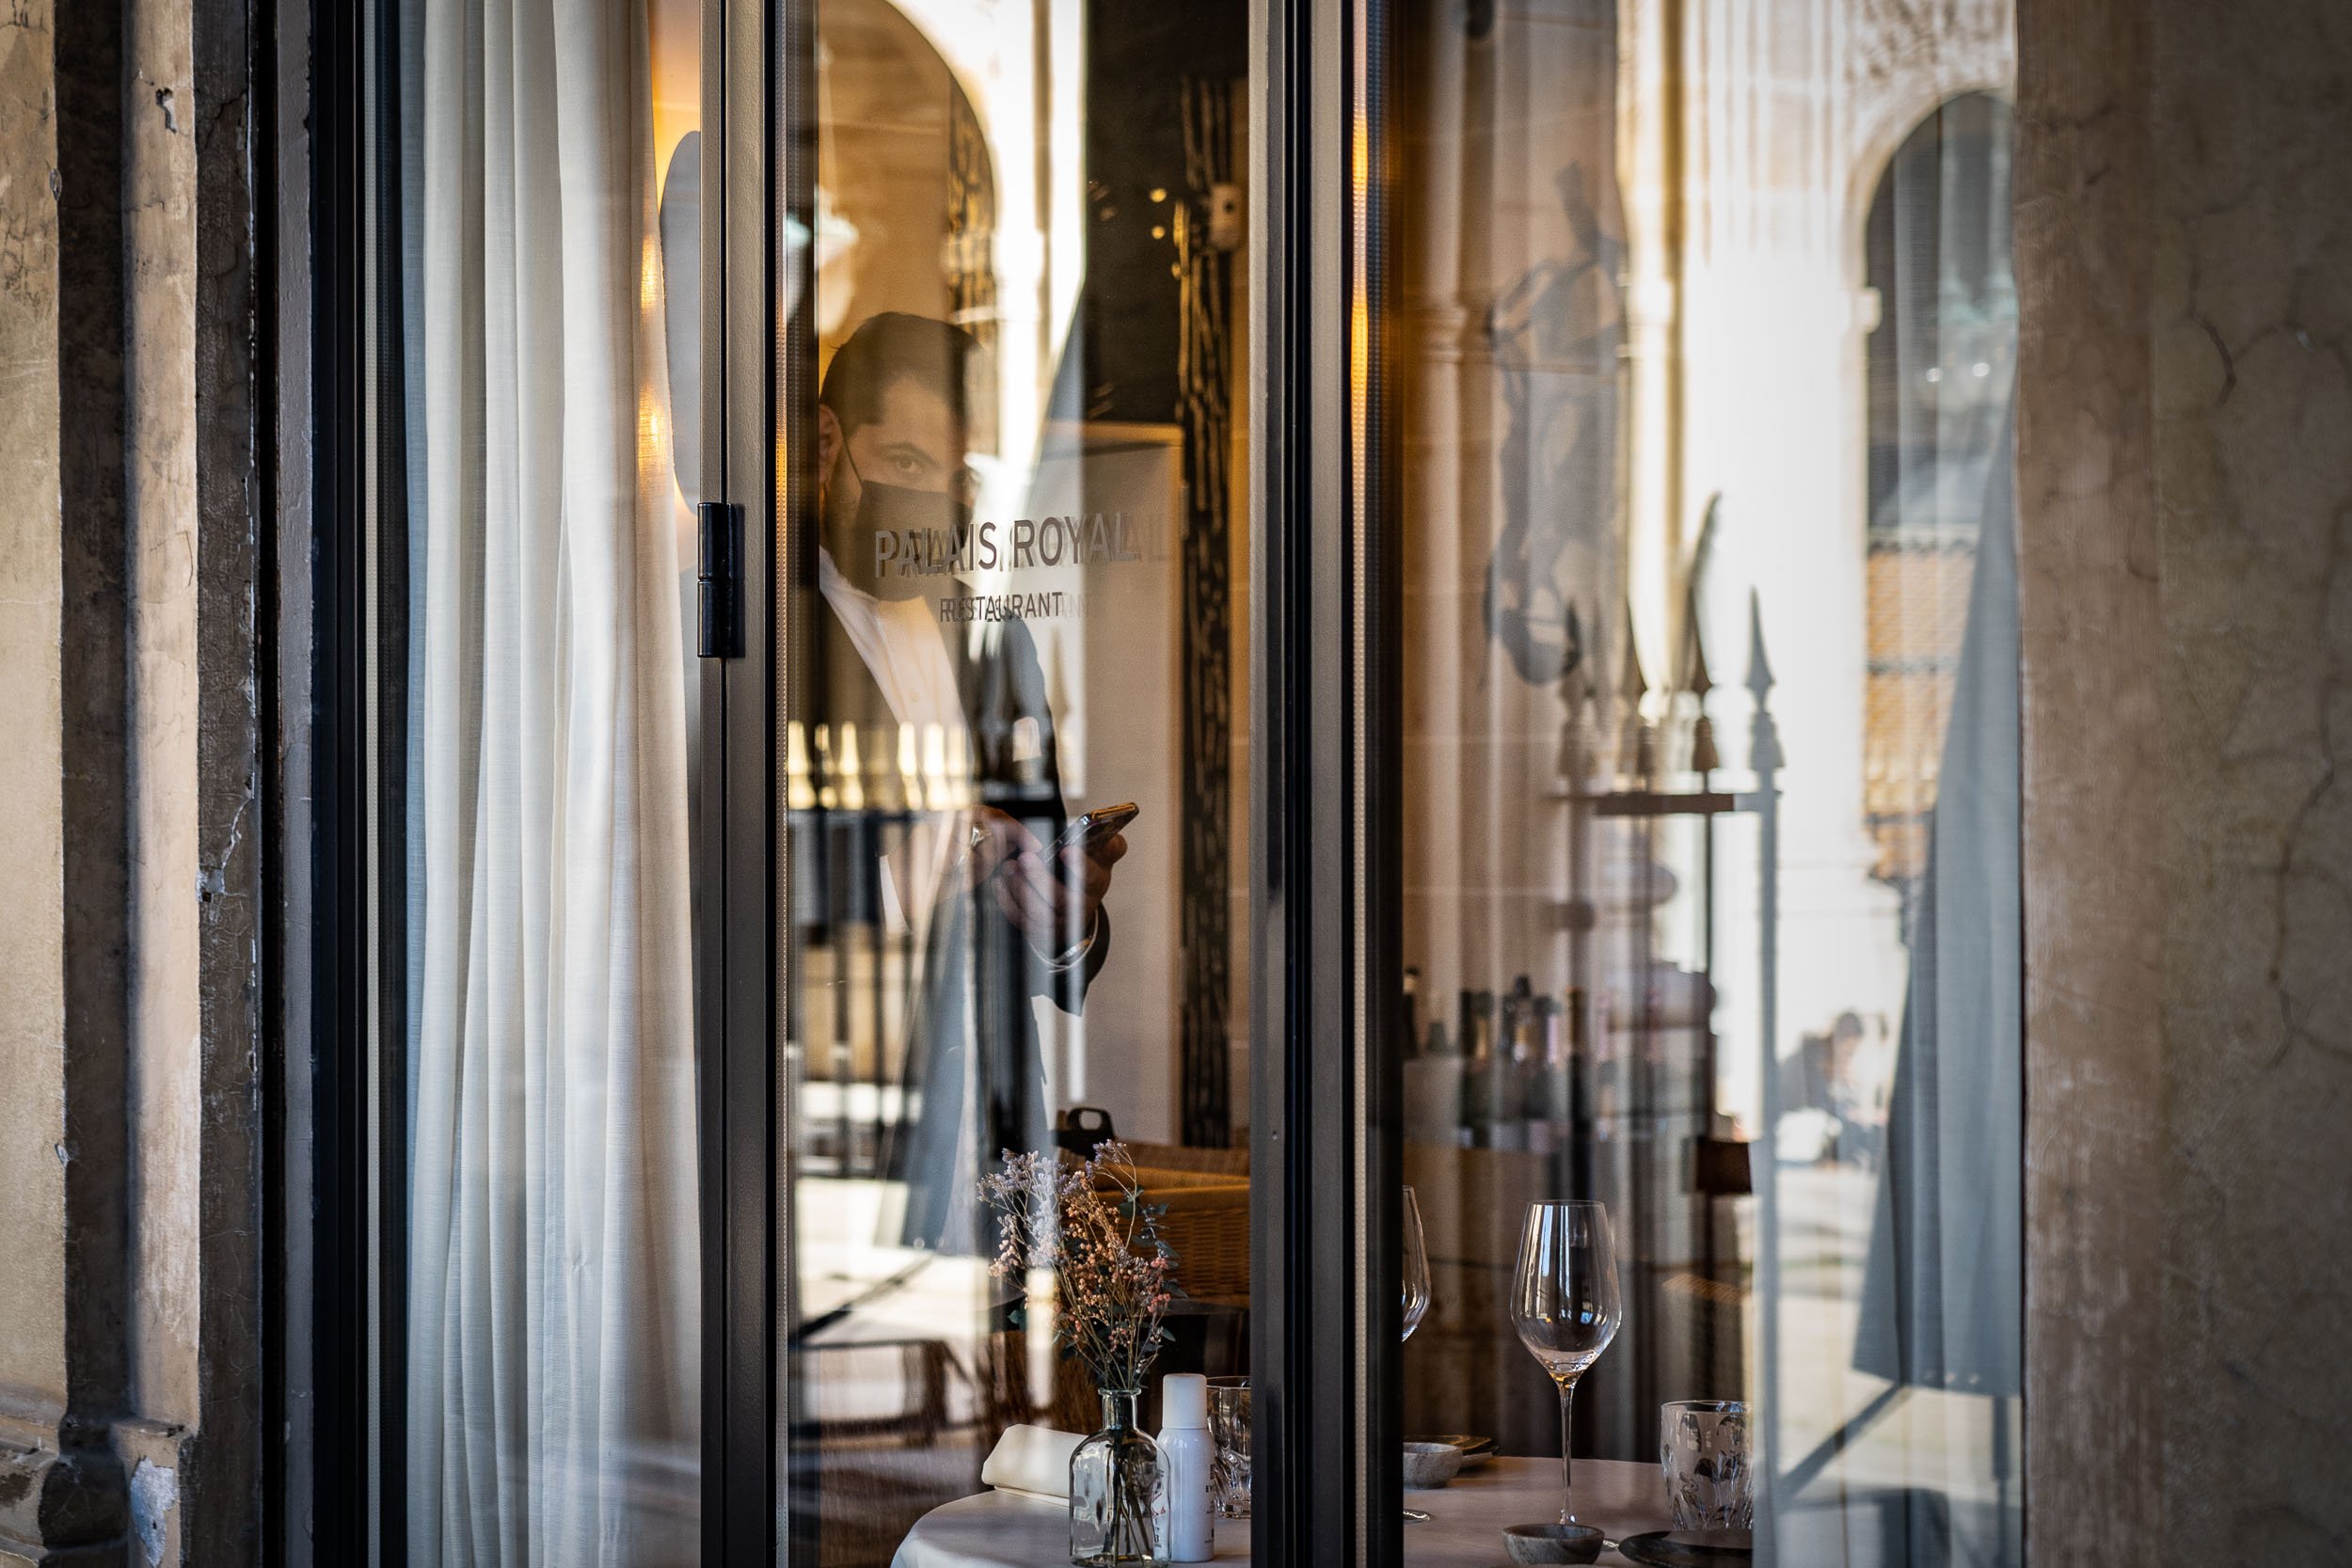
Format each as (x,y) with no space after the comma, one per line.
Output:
(1002,1529)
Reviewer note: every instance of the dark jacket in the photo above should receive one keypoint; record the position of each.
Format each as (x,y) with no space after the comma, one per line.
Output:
(973,1074)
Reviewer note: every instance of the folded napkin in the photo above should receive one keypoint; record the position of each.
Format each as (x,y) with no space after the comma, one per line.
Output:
(1032,1461)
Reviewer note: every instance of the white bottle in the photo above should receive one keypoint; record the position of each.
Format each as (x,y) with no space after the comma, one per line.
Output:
(1187,1456)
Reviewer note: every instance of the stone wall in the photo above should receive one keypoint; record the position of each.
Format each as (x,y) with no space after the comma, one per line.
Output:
(131,1360)
(2089,632)
(35,1154)
(2253,383)
(2184,237)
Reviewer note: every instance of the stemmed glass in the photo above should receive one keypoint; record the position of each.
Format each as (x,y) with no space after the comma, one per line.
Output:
(1563,1301)
(1416,1266)
(1415,1252)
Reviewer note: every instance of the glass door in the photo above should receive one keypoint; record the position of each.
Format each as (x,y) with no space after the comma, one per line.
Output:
(1705,1019)
(1010,562)
(844,521)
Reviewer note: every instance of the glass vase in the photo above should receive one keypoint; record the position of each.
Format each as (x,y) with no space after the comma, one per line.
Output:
(1115,1482)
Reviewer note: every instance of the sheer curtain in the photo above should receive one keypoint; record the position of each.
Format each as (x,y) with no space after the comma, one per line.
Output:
(552,1350)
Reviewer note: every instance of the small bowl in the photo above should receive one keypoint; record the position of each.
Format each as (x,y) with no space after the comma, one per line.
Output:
(1552,1543)
(1429,1466)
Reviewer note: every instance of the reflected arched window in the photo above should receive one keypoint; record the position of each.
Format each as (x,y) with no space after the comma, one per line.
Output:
(906,196)
(1942,360)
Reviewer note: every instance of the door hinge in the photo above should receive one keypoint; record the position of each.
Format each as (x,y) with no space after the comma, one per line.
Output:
(718,527)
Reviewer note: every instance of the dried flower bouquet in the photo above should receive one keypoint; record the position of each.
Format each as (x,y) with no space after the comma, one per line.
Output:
(1113,1275)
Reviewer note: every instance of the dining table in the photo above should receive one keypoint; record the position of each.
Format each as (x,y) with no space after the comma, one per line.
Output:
(1021,1529)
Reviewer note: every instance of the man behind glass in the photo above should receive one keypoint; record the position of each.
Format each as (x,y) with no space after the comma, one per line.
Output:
(997,916)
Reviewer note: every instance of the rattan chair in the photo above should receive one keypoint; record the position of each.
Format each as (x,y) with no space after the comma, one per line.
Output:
(1207,1225)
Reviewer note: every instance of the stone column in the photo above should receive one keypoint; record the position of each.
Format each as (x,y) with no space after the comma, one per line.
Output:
(131,1358)
(60,922)
(2090,629)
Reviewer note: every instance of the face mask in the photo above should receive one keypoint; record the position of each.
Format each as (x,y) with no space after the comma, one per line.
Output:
(897,523)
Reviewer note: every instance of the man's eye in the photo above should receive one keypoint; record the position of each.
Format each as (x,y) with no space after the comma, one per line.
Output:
(907,468)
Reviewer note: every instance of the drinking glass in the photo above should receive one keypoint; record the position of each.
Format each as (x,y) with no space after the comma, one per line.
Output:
(1703,1450)
(1564,1303)
(1416,1254)
(1228,1430)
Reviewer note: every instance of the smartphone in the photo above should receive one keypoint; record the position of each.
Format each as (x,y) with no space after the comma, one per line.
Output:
(1096,828)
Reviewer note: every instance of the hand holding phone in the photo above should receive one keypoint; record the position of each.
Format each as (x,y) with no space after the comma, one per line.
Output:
(1052,893)
(1092,829)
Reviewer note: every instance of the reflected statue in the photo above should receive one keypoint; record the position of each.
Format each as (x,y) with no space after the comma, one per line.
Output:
(1556,335)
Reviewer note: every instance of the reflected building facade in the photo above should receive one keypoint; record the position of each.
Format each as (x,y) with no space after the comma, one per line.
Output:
(1707,338)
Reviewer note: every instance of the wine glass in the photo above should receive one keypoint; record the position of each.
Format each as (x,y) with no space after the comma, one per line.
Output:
(1563,1301)
(1416,1253)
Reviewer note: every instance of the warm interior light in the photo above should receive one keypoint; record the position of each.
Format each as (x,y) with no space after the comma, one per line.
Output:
(675,42)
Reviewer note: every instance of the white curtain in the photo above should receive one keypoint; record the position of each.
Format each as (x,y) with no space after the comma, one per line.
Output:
(552,1337)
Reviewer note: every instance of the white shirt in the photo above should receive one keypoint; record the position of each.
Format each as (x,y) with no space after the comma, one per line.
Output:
(899,642)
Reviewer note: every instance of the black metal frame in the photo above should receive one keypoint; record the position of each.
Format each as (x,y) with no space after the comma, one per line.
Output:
(1323,819)
(1326,1163)
(738,972)
(391,1129)
(340,1002)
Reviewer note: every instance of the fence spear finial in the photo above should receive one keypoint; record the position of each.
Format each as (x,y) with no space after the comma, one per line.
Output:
(1764,754)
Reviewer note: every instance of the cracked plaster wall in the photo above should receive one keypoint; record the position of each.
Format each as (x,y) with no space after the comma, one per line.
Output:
(2252,362)
(2184,456)
(2091,635)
